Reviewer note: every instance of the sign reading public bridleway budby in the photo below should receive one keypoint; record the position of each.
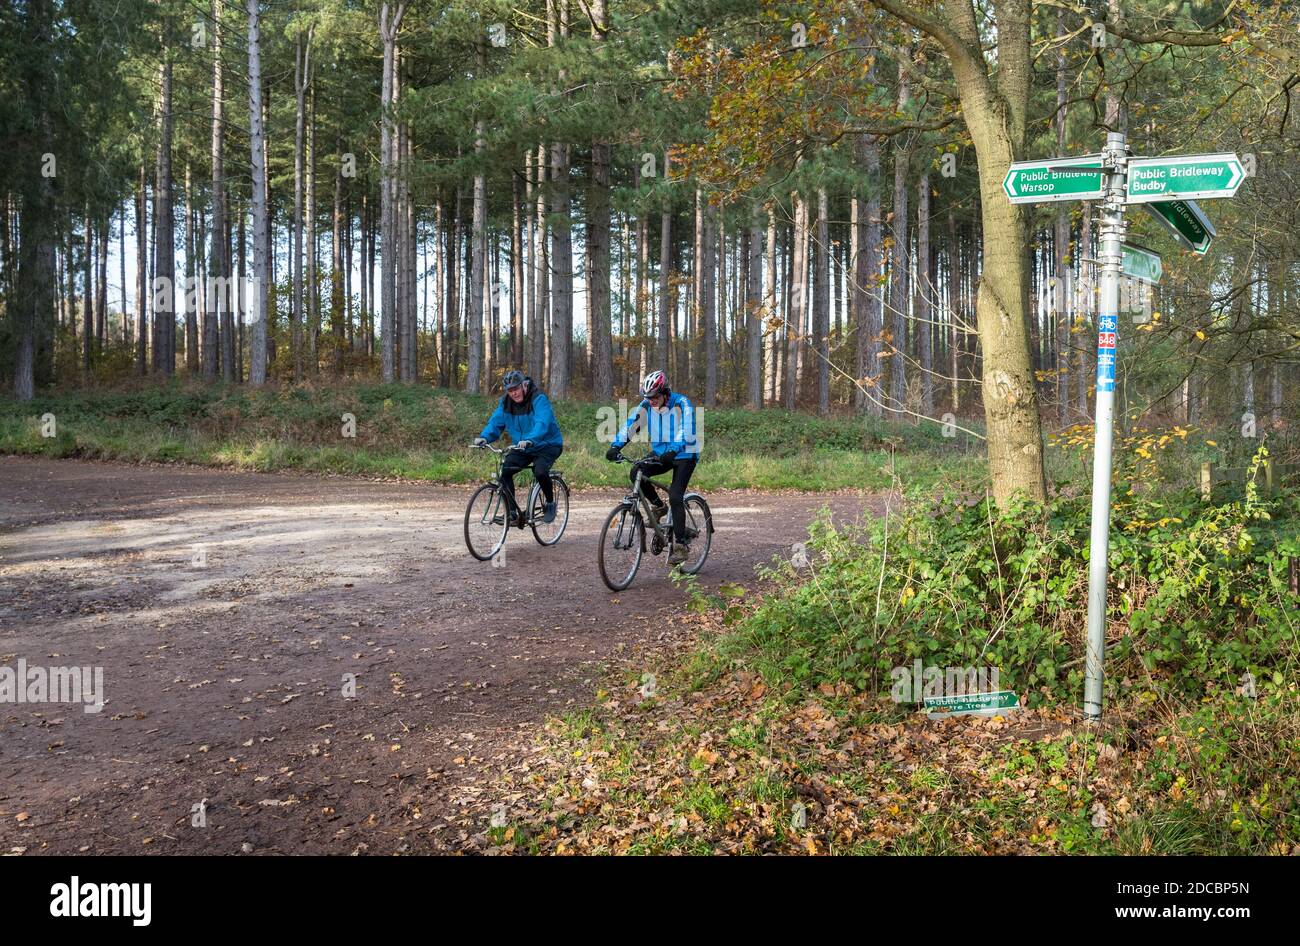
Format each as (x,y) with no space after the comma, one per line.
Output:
(1186,176)
(1032,182)
(997,703)
(1185,222)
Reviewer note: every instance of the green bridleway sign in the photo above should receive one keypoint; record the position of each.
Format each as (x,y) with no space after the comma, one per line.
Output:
(1142,264)
(1186,177)
(1032,182)
(1185,223)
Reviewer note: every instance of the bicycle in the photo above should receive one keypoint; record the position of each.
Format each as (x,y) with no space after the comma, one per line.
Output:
(623,537)
(487,522)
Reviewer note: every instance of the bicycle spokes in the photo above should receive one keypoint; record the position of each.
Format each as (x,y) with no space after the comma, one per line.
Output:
(621,540)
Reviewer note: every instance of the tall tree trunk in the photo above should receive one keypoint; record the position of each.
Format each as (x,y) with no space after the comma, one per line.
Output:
(517,292)
(261,230)
(32,312)
(89,295)
(478,247)
(337,331)
(864,289)
(770,301)
(164,233)
(101,285)
(237,336)
(365,273)
(312,290)
(667,292)
(754,312)
(924,295)
(453,296)
(899,260)
(821,304)
(644,317)
(561,361)
(121,274)
(995,105)
(301,74)
(796,318)
(708,274)
(390,19)
(955,333)
(412,346)
(531,346)
(218,324)
(142,289)
(602,358)
(190,294)
(541,270)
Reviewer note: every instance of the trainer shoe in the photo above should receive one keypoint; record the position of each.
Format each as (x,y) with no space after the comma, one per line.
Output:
(548,512)
(681,551)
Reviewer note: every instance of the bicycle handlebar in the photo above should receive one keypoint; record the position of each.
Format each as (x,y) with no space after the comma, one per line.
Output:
(488,446)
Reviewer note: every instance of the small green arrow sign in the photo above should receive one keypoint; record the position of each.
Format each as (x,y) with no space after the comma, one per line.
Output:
(1185,221)
(1188,176)
(1142,264)
(997,703)
(1034,182)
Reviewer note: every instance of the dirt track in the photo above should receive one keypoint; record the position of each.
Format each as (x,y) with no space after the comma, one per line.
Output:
(225,609)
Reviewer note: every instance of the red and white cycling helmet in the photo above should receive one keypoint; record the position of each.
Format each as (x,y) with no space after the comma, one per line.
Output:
(656,382)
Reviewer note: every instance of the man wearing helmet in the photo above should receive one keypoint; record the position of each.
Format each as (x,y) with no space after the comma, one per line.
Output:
(669,419)
(525,413)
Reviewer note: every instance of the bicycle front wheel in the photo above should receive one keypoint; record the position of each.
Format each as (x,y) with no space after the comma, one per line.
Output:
(548,533)
(486,522)
(699,532)
(622,539)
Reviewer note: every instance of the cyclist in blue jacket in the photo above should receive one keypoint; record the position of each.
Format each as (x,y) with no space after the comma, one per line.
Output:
(670,421)
(525,413)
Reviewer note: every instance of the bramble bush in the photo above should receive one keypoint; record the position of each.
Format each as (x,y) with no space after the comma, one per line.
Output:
(1199,594)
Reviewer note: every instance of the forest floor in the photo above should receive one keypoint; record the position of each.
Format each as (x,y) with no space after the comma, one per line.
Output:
(226,608)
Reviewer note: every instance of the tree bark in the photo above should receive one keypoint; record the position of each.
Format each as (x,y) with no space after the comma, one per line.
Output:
(821,304)
(602,358)
(261,245)
(478,247)
(164,231)
(899,262)
(795,323)
(754,313)
(924,296)
(995,104)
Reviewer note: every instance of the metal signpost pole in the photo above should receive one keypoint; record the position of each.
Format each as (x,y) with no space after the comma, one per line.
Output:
(1112,261)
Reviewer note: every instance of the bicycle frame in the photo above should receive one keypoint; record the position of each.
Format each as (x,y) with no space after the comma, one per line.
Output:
(638,500)
(495,478)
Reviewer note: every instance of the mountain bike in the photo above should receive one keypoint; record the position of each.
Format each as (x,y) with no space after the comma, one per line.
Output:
(623,537)
(487,521)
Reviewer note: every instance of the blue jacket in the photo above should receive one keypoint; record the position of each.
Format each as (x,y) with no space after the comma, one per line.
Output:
(674,428)
(531,420)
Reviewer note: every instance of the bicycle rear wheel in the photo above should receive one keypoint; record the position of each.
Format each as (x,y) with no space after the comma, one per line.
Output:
(699,532)
(622,539)
(548,533)
(486,522)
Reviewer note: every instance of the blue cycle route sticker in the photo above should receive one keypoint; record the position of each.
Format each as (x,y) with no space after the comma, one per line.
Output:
(1107,325)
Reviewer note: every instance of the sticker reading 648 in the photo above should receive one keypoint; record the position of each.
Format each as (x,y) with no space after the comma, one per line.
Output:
(1106,338)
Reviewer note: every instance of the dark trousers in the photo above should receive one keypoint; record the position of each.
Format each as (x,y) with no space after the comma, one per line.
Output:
(540,459)
(682,468)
